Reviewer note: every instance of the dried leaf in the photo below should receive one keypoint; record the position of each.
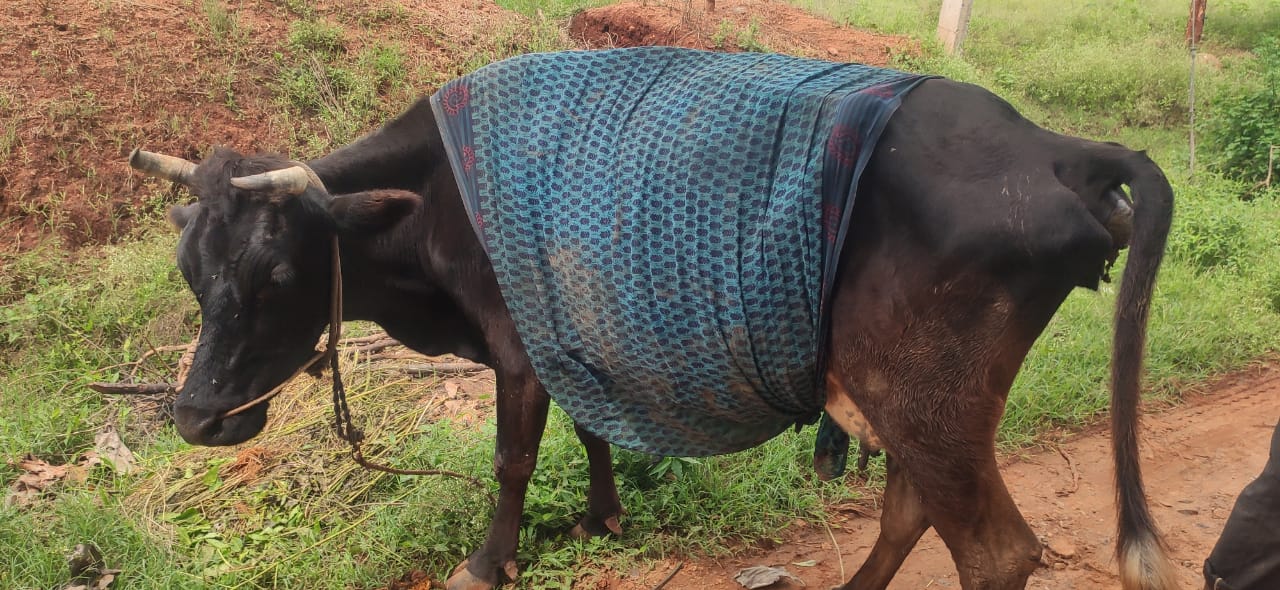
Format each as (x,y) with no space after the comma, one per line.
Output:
(109,446)
(806,563)
(38,477)
(760,576)
(41,476)
(105,581)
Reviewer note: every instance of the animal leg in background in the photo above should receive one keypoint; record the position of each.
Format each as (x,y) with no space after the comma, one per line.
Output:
(603,505)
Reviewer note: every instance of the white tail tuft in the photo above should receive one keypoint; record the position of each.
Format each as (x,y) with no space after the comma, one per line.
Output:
(1145,566)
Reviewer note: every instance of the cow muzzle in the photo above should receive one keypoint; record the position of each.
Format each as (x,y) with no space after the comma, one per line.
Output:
(208,427)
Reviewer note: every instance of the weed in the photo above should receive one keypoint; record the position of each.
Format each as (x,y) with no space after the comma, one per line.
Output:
(385,65)
(9,128)
(1215,239)
(78,109)
(553,9)
(727,36)
(222,24)
(316,37)
(1271,291)
(383,15)
(749,38)
(540,34)
(1218,231)
(302,8)
(724,31)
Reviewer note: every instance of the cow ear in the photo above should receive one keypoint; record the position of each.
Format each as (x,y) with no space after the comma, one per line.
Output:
(179,216)
(371,211)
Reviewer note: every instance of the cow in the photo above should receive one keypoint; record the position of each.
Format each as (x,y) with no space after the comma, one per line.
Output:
(1247,553)
(970,227)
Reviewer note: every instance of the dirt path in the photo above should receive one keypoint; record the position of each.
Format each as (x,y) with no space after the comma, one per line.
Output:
(1196,459)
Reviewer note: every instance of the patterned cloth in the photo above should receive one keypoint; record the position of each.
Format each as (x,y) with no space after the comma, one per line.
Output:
(664,225)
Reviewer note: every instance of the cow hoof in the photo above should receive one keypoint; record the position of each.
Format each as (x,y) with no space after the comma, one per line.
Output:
(591,526)
(463,579)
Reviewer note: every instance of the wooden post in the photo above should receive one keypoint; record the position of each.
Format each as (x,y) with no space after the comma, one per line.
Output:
(1195,26)
(1195,23)
(953,24)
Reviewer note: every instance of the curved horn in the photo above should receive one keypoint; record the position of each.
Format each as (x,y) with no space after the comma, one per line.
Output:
(161,166)
(291,181)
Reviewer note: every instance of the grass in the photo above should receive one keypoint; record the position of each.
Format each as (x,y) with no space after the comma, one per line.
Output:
(293,512)
(553,9)
(1087,67)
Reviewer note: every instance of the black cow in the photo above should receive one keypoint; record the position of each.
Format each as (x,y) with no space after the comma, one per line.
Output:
(972,225)
(1247,554)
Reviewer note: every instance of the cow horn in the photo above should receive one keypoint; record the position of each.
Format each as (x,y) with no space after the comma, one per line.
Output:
(161,166)
(291,181)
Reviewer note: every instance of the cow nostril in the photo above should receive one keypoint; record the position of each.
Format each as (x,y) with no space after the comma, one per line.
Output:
(196,426)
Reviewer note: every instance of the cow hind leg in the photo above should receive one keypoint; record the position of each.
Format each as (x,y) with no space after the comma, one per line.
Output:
(603,505)
(992,545)
(902,521)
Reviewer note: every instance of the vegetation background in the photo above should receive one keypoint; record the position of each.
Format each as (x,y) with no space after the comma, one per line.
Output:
(301,516)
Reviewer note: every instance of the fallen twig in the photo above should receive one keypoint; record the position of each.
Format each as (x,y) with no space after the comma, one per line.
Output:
(428,368)
(671,575)
(356,340)
(839,554)
(132,388)
(1075,476)
(376,346)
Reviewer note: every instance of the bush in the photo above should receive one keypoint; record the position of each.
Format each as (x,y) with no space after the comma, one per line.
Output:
(1216,229)
(1243,125)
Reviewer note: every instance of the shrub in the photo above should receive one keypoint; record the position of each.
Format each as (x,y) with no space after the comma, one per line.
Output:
(1243,125)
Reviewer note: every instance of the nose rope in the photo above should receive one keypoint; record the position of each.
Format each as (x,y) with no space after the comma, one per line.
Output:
(330,347)
(343,424)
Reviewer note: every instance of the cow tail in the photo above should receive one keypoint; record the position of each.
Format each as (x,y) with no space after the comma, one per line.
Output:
(1142,555)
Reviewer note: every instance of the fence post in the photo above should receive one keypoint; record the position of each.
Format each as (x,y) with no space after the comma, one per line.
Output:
(953,24)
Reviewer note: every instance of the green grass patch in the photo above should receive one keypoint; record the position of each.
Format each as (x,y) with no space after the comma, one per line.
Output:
(1095,67)
(553,9)
(318,37)
(345,93)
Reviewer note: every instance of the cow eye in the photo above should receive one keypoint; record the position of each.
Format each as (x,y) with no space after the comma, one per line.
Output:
(282,275)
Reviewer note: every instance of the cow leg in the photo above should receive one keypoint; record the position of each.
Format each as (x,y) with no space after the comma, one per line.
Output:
(522,416)
(944,474)
(992,545)
(932,384)
(603,505)
(902,521)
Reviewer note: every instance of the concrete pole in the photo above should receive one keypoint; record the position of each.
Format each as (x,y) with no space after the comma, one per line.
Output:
(953,24)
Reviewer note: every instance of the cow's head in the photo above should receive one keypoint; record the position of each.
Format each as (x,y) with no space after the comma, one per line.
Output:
(255,250)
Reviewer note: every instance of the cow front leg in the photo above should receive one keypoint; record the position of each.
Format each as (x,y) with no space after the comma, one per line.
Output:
(522,416)
(603,505)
